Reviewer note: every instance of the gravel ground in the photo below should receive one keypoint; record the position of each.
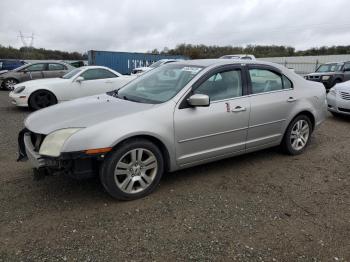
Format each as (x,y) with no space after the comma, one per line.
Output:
(263,206)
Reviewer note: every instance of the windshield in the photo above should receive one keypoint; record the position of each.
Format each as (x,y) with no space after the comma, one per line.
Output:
(329,68)
(21,67)
(156,64)
(159,85)
(72,73)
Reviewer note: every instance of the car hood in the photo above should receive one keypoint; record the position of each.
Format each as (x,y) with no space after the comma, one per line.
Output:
(344,86)
(83,112)
(44,81)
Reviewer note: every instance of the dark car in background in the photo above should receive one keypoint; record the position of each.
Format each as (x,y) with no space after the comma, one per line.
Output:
(330,74)
(10,64)
(33,71)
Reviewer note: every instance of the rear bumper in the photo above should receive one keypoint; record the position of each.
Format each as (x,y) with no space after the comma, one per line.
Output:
(76,164)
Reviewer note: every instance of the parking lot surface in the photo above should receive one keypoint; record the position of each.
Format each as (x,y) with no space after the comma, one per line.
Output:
(263,206)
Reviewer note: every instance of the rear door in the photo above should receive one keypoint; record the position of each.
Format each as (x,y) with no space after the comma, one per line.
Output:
(272,98)
(54,70)
(203,133)
(346,70)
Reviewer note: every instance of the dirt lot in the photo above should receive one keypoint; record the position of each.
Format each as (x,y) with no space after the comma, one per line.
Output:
(263,206)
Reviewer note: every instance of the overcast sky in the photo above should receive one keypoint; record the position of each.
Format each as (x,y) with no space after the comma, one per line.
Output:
(141,25)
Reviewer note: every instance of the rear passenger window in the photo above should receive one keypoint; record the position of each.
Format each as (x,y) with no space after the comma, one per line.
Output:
(265,81)
(222,85)
(53,67)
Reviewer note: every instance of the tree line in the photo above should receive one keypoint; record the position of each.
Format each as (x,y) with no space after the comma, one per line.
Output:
(31,53)
(203,51)
(188,50)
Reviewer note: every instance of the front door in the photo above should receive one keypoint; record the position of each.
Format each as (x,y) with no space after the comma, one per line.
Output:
(32,72)
(203,133)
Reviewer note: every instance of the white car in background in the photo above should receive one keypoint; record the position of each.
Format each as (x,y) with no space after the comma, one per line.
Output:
(239,56)
(338,99)
(141,70)
(83,81)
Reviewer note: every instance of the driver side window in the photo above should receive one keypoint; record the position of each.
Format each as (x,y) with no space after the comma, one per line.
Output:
(222,85)
(93,74)
(36,67)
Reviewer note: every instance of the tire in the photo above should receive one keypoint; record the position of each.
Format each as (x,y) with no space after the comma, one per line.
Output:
(297,135)
(9,84)
(41,99)
(125,177)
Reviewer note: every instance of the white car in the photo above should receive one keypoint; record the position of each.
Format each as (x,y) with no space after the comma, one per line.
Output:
(83,81)
(338,99)
(239,56)
(141,70)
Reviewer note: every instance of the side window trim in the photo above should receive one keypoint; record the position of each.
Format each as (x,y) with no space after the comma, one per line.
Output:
(269,68)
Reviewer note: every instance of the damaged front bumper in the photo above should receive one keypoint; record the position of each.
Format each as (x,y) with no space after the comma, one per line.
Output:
(76,164)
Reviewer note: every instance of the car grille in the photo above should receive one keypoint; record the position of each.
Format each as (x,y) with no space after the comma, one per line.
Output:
(344,110)
(314,77)
(37,140)
(345,95)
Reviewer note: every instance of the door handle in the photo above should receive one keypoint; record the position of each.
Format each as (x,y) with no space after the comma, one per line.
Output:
(238,109)
(291,100)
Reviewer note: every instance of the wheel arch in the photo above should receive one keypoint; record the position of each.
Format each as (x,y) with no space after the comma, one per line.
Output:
(164,150)
(309,114)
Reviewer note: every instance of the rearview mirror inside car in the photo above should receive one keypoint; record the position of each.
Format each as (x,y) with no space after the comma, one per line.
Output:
(198,100)
(79,79)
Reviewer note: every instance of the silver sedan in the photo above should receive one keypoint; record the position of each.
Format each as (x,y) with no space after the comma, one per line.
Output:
(176,116)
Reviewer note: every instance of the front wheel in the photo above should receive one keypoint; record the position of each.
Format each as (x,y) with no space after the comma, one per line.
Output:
(41,99)
(133,170)
(9,84)
(297,135)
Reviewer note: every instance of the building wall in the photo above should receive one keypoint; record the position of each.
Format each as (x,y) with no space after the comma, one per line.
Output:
(306,64)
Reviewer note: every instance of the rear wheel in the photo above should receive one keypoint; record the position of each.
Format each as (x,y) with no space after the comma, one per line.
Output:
(9,84)
(297,135)
(41,99)
(133,170)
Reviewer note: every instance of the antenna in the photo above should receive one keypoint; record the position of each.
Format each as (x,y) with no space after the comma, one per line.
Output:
(24,41)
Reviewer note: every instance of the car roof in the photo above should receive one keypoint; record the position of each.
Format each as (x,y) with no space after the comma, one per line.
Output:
(222,61)
(93,67)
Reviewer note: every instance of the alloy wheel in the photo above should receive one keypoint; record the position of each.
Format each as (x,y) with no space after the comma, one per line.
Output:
(300,135)
(10,84)
(136,170)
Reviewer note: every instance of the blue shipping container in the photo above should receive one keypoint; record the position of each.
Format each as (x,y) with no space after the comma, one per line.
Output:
(125,62)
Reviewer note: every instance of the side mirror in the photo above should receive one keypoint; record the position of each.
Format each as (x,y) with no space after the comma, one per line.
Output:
(198,100)
(79,79)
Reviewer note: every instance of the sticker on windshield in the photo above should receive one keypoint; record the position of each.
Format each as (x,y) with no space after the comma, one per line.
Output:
(192,70)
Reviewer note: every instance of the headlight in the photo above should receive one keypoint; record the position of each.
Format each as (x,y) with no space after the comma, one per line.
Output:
(19,89)
(54,142)
(325,77)
(332,91)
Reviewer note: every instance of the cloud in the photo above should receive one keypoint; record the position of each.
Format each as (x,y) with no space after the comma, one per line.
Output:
(144,25)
